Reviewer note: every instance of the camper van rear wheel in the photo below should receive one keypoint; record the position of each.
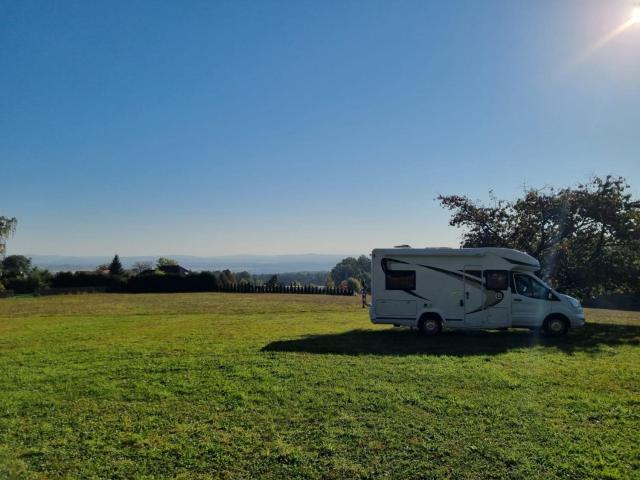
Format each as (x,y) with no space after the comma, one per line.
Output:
(429,325)
(555,326)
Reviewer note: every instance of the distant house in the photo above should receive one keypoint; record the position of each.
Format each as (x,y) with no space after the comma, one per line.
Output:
(103,269)
(174,270)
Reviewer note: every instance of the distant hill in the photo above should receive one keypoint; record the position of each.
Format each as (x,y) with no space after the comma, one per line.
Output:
(310,262)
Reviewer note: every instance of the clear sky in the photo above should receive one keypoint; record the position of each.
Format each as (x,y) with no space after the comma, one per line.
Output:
(206,128)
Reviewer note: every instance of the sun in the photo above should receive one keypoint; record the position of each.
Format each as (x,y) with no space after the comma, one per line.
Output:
(635,14)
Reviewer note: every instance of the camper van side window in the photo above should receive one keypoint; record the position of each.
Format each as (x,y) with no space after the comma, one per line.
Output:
(400,280)
(496,279)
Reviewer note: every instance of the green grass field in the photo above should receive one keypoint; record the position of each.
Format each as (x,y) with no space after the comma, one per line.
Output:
(295,386)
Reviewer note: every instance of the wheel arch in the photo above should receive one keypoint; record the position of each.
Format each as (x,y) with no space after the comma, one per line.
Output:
(557,315)
(431,314)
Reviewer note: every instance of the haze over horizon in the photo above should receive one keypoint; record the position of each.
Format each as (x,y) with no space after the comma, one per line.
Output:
(258,264)
(237,128)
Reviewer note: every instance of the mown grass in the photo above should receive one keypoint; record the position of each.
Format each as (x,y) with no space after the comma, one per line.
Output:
(295,386)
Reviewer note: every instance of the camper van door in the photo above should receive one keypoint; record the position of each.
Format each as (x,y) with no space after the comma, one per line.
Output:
(529,305)
(473,296)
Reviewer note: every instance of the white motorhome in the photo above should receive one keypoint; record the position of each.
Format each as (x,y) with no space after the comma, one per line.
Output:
(467,288)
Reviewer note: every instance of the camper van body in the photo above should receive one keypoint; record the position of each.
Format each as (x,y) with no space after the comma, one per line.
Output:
(467,288)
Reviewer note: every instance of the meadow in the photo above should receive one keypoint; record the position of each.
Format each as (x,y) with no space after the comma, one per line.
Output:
(214,385)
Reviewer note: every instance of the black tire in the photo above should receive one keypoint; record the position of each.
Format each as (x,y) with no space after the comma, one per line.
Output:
(555,326)
(429,325)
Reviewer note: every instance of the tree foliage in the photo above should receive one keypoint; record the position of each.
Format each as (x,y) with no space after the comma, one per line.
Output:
(243,277)
(358,268)
(16,266)
(163,261)
(227,277)
(354,284)
(273,281)
(7,227)
(115,267)
(586,237)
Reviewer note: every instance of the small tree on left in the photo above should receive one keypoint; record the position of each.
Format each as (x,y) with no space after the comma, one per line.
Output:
(7,227)
(15,266)
(115,267)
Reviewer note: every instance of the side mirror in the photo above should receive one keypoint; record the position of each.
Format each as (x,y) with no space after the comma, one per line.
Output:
(550,295)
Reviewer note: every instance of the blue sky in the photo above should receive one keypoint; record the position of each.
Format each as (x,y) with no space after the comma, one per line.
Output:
(206,128)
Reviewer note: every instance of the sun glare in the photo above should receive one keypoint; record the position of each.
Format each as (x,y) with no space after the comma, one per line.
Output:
(634,19)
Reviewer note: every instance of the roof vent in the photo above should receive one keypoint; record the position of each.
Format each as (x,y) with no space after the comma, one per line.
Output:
(402,246)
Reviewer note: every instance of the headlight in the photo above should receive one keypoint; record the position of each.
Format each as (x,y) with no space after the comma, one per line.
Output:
(574,303)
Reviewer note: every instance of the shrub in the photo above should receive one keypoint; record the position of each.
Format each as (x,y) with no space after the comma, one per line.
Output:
(86,279)
(354,284)
(198,282)
(22,285)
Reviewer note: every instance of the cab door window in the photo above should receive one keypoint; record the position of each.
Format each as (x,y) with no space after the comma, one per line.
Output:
(528,286)
(523,285)
(539,289)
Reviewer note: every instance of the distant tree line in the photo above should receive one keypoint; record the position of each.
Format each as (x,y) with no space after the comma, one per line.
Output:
(17,274)
(294,278)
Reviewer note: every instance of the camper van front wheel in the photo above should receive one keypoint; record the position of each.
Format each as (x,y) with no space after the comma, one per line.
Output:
(429,325)
(555,326)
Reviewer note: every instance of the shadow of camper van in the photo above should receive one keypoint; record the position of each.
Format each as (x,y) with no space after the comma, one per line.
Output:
(458,343)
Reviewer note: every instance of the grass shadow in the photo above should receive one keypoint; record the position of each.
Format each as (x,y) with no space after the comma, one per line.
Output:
(457,343)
